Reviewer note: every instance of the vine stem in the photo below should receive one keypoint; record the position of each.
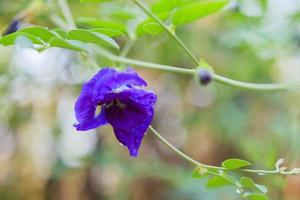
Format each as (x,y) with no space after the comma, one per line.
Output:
(177,151)
(256,86)
(127,47)
(217,78)
(278,170)
(167,29)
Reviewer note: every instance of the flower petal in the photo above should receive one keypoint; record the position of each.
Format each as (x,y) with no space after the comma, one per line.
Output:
(105,82)
(85,110)
(132,139)
(127,107)
(131,117)
(108,80)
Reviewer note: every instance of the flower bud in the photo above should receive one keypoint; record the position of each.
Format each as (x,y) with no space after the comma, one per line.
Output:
(205,76)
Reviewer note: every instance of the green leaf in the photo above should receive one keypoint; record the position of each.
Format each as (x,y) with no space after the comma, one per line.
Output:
(93,37)
(235,163)
(217,181)
(60,33)
(150,26)
(67,44)
(11,38)
(256,196)
(192,12)
(164,6)
(248,183)
(41,32)
(107,31)
(97,23)
(93,1)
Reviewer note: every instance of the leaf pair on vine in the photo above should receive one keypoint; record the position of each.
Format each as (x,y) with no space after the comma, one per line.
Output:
(74,40)
(174,13)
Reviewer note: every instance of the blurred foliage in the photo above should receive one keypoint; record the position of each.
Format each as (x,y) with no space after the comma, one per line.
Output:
(43,157)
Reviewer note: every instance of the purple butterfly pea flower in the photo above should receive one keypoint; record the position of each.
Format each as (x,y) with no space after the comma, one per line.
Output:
(125,105)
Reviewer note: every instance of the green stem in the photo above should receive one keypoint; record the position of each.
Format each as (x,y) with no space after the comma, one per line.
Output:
(256,86)
(127,47)
(281,171)
(177,151)
(144,64)
(217,78)
(167,29)
(189,159)
(125,50)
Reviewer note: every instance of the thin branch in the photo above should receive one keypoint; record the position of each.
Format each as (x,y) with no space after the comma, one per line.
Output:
(167,29)
(256,86)
(144,64)
(216,77)
(278,170)
(127,47)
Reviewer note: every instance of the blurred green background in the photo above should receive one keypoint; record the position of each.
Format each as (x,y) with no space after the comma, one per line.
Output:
(43,157)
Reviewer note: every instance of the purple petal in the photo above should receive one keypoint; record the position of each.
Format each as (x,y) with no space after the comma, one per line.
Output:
(127,107)
(105,82)
(131,116)
(108,80)
(132,139)
(85,110)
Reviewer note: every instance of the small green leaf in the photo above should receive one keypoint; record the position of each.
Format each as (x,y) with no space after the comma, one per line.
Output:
(40,32)
(93,37)
(107,31)
(164,6)
(11,38)
(97,23)
(150,26)
(192,12)
(256,196)
(59,33)
(67,44)
(248,183)
(93,1)
(235,163)
(215,171)
(217,181)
